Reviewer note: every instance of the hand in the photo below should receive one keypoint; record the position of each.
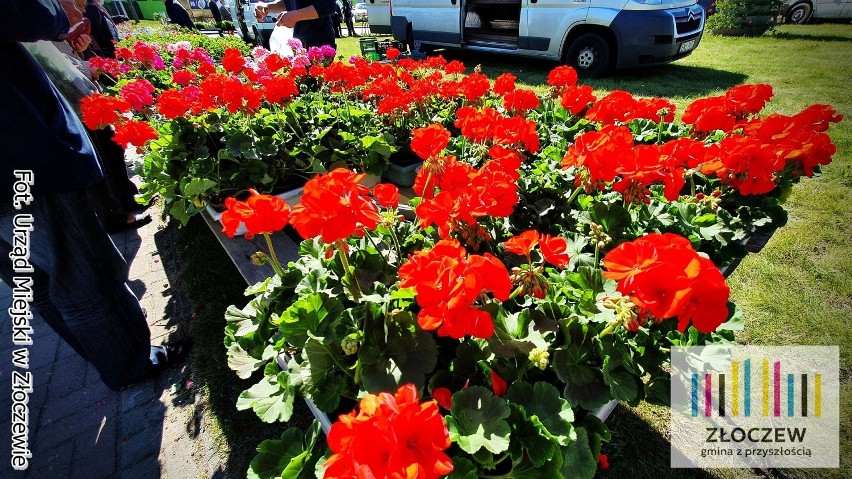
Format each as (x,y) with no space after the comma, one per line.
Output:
(81,43)
(288,20)
(261,10)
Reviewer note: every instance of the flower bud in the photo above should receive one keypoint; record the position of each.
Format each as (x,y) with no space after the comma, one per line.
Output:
(259,258)
(540,358)
(349,345)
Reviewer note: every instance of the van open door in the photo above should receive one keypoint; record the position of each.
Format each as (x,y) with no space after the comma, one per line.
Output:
(491,23)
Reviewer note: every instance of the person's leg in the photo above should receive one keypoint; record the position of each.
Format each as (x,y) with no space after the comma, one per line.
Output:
(115,170)
(86,282)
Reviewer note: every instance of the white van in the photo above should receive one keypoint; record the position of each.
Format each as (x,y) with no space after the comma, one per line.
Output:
(590,35)
(252,31)
(378,17)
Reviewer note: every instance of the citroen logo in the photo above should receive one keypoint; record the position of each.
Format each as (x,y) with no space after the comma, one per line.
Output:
(691,15)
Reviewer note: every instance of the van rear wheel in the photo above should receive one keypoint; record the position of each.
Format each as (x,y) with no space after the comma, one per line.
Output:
(589,55)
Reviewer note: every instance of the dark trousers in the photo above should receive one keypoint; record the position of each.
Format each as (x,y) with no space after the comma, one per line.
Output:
(113,198)
(79,285)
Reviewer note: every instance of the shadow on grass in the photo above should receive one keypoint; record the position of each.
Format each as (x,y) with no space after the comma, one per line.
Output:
(815,38)
(207,283)
(638,450)
(672,80)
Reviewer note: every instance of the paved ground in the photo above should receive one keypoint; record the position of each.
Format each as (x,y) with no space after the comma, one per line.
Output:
(81,429)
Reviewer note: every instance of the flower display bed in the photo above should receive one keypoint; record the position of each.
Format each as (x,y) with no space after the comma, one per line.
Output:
(560,245)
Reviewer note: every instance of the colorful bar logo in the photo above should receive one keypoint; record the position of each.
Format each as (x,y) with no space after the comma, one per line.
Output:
(769,392)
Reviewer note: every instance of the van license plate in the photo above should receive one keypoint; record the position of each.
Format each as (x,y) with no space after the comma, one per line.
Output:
(687,46)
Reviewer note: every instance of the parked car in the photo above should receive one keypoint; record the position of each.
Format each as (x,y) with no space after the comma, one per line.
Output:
(590,35)
(252,31)
(803,11)
(359,12)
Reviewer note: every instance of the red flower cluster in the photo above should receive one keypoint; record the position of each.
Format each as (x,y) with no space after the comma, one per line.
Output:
(391,436)
(99,110)
(137,133)
(139,93)
(386,194)
(609,155)
(620,106)
(665,276)
(449,282)
(260,214)
(746,164)
(725,111)
(553,248)
(334,205)
(800,140)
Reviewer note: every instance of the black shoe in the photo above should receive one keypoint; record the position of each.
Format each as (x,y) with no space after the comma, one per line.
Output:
(169,355)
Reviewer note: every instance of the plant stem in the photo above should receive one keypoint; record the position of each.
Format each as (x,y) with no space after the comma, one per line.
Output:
(375,245)
(276,265)
(692,184)
(353,283)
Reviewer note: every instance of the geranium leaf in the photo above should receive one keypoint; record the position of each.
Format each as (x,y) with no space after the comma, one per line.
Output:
(197,187)
(246,361)
(463,469)
(312,315)
(477,421)
(287,457)
(271,398)
(402,355)
(580,462)
(543,402)
(322,380)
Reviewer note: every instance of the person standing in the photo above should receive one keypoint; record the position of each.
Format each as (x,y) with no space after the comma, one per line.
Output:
(178,15)
(225,12)
(104,32)
(217,15)
(310,19)
(347,17)
(78,277)
(336,18)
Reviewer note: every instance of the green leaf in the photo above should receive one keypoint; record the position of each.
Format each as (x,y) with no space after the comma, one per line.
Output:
(246,361)
(463,469)
(198,187)
(543,401)
(477,421)
(580,462)
(398,353)
(286,457)
(271,398)
(312,315)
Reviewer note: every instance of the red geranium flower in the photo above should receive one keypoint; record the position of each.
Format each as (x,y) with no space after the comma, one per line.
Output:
(504,84)
(386,194)
(444,397)
(260,214)
(137,133)
(183,77)
(554,249)
(233,61)
(576,98)
(428,142)
(334,205)
(101,110)
(562,76)
(498,384)
(448,283)
(391,436)
(665,276)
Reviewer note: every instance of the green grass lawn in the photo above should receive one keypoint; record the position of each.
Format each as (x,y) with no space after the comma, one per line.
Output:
(798,290)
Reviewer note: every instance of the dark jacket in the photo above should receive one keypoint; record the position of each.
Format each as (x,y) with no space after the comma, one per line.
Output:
(104,32)
(178,15)
(214,10)
(40,131)
(317,32)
